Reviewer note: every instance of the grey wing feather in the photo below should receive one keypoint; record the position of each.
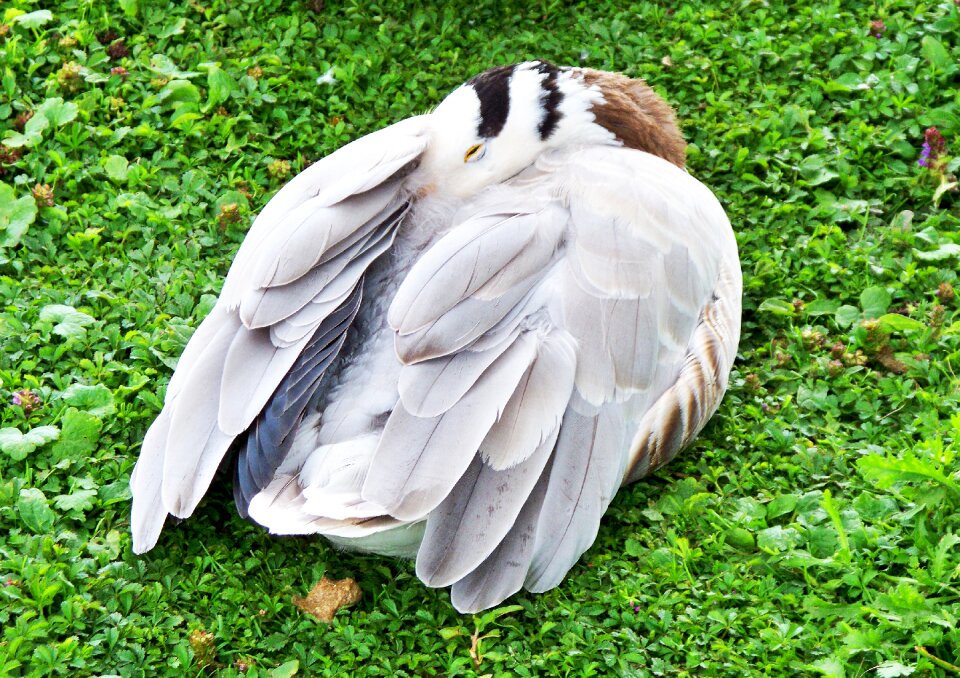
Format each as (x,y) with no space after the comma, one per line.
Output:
(476,515)
(351,203)
(293,328)
(195,444)
(536,406)
(484,251)
(420,459)
(504,571)
(327,182)
(207,329)
(464,324)
(587,470)
(269,439)
(148,512)
(431,387)
(267,306)
(313,232)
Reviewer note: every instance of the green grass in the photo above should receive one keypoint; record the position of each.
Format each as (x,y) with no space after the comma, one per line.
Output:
(813,528)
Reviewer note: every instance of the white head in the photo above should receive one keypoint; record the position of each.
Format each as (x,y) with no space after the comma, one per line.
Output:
(497,123)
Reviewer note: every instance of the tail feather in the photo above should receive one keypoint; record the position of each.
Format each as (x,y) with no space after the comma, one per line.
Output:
(503,572)
(476,516)
(193,426)
(148,512)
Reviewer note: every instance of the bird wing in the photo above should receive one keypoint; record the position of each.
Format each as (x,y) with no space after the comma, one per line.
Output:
(598,291)
(289,297)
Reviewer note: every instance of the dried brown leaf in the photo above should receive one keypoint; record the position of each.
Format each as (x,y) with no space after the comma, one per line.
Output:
(327,596)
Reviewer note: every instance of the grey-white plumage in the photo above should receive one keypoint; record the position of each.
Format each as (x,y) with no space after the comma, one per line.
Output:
(455,338)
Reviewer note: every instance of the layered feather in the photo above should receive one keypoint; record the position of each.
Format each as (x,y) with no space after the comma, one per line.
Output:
(303,258)
(594,293)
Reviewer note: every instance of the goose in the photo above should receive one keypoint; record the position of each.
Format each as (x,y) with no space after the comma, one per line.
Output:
(454,339)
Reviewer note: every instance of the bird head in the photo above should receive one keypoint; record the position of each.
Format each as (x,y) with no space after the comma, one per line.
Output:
(497,123)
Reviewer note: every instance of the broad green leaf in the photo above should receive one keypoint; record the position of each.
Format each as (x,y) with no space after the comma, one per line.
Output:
(114,492)
(781,504)
(944,251)
(497,613)
(749,512)
(892,669)
(939,562)
(39,122)
(847,315)
(816,397)
(79,500)
(80,435)
(162,64)
(815,170)
(57,112)
(832,667)
(96,399)
(34,19)
(176,28)
(35,513)
(117,168)
(934,52)
(130,7)
(19,445)
(899,323)
(821,307)
(740,538)
(179,91)
(874,301)
(777,538)
(873,507)
(70,323)
(845,83)
(947,184)
(109,546)
(944,118)
(16,215)
(220,85)
(184,116)
(777,306)
(902,221)
(32,132)
(287,670)
(18,140)
(887,471)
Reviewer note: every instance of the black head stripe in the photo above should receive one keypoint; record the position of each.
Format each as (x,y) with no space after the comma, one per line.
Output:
(550,98)
(493,90)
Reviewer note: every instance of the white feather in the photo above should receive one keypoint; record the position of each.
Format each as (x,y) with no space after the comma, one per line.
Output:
(335,177)
(431,387)
(251,370)
(536,406)
(148,512)
(195,445)
(420,459)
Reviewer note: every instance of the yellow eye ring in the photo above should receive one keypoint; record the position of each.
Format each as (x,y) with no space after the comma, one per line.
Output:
(472,152)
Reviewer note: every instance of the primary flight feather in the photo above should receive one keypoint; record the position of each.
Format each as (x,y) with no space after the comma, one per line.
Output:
(455,338)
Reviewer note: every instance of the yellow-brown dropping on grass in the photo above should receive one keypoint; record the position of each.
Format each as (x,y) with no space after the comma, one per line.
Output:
(327,596)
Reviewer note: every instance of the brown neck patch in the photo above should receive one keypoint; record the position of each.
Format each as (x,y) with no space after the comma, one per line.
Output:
(636,115)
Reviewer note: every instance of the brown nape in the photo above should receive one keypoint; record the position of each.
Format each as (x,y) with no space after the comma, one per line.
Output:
(636,115)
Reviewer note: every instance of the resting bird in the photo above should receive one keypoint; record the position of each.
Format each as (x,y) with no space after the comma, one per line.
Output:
(455,338)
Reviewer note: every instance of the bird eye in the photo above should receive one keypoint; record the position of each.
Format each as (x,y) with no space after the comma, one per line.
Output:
(475,152)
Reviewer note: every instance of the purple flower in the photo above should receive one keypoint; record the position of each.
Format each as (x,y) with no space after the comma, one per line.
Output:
(26,399)
(934,146)
(877,28)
